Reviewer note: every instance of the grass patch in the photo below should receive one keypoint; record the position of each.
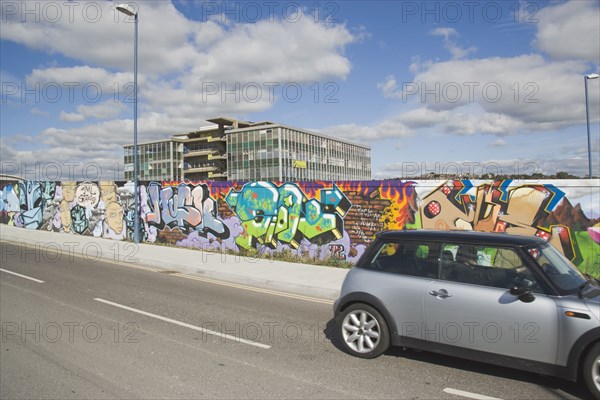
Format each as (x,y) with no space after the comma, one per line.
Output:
(286,255)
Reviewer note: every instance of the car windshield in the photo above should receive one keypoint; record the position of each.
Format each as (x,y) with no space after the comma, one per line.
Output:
(557,268)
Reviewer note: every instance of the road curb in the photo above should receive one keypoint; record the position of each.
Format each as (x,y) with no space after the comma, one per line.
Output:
(303,279)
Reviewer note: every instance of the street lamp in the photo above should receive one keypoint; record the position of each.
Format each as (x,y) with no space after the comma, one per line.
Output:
(128,10)
(587,116)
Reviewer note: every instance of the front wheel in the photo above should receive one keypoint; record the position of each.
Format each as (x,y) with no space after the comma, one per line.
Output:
(591,370)
(364,331)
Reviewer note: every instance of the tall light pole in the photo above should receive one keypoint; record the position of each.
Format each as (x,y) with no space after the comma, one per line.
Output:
(128,10)
(587,117)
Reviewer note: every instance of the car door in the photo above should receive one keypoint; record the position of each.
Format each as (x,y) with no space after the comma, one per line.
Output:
(398,274)
(470,305)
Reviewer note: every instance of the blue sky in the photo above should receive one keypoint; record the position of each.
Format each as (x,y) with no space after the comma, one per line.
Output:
(492,86)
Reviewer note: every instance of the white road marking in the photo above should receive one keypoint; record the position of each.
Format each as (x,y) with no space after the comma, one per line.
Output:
(218,282)
(22,276)
(185,325)
(469,394)
(255,289)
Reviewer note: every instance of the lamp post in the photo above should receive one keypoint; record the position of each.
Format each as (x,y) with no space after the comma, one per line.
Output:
(587,117)
(128,10)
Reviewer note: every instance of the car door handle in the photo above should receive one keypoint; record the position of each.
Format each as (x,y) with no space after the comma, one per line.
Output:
(440,294)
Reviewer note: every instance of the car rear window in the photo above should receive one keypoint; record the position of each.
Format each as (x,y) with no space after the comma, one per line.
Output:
(405,258)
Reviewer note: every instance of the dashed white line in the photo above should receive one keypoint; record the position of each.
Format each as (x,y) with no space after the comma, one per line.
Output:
(185,325)
(217,282)
(22,276)
(469,395)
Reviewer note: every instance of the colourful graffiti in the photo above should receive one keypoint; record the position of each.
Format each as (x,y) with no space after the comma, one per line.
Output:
(85,208)
(271,214)
(31,202)
(188,209)
(317,219)
(337,251)
(497,208)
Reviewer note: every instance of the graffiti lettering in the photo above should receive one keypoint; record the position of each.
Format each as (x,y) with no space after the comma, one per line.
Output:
(87,195)
(270,214)
(188,209)
(337,251)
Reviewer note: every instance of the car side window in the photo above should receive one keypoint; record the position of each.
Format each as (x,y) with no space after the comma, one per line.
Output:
(485,265)
(405,258)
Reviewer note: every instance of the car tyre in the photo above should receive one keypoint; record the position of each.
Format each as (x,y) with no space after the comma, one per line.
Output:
(364,331)
(591,370)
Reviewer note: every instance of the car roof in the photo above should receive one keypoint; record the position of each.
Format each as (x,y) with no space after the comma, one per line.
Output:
(463,236)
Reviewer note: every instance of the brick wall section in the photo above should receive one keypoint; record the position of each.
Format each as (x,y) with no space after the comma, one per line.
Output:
(363,220)
(168,235)
(223,209)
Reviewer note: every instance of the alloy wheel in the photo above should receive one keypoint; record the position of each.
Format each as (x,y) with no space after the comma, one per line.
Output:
(361,331)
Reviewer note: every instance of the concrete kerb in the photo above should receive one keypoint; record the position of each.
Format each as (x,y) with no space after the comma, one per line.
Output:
(308,280)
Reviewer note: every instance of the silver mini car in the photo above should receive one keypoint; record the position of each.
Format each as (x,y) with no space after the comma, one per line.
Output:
(492,297)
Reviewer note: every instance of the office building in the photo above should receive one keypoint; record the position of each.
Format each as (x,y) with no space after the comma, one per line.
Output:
(239,150)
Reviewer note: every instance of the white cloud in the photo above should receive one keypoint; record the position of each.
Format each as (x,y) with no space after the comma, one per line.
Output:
(105,110)
(183,62)
(71,117)
(268,50)
(498,143)
(458,52)
(95,32)
(37,111)
(462,122)
(389,87)
(569,31)
(508,94)
(485,123)
(367,134)
(446,33)
(81,81)
(276,52)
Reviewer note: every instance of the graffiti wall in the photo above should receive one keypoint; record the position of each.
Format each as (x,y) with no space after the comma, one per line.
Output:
(321,220)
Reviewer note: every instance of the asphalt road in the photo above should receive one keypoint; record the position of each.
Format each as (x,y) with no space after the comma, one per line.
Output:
(102,330)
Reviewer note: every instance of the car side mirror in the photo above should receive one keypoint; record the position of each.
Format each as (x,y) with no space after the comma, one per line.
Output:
(524,294)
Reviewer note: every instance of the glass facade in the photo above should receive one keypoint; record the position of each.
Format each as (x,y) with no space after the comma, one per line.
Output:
(253,154)
(157,161)
(276,153)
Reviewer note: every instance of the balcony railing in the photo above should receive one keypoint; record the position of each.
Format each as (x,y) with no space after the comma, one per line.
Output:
(208,139)
(202,168)
(201,152)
